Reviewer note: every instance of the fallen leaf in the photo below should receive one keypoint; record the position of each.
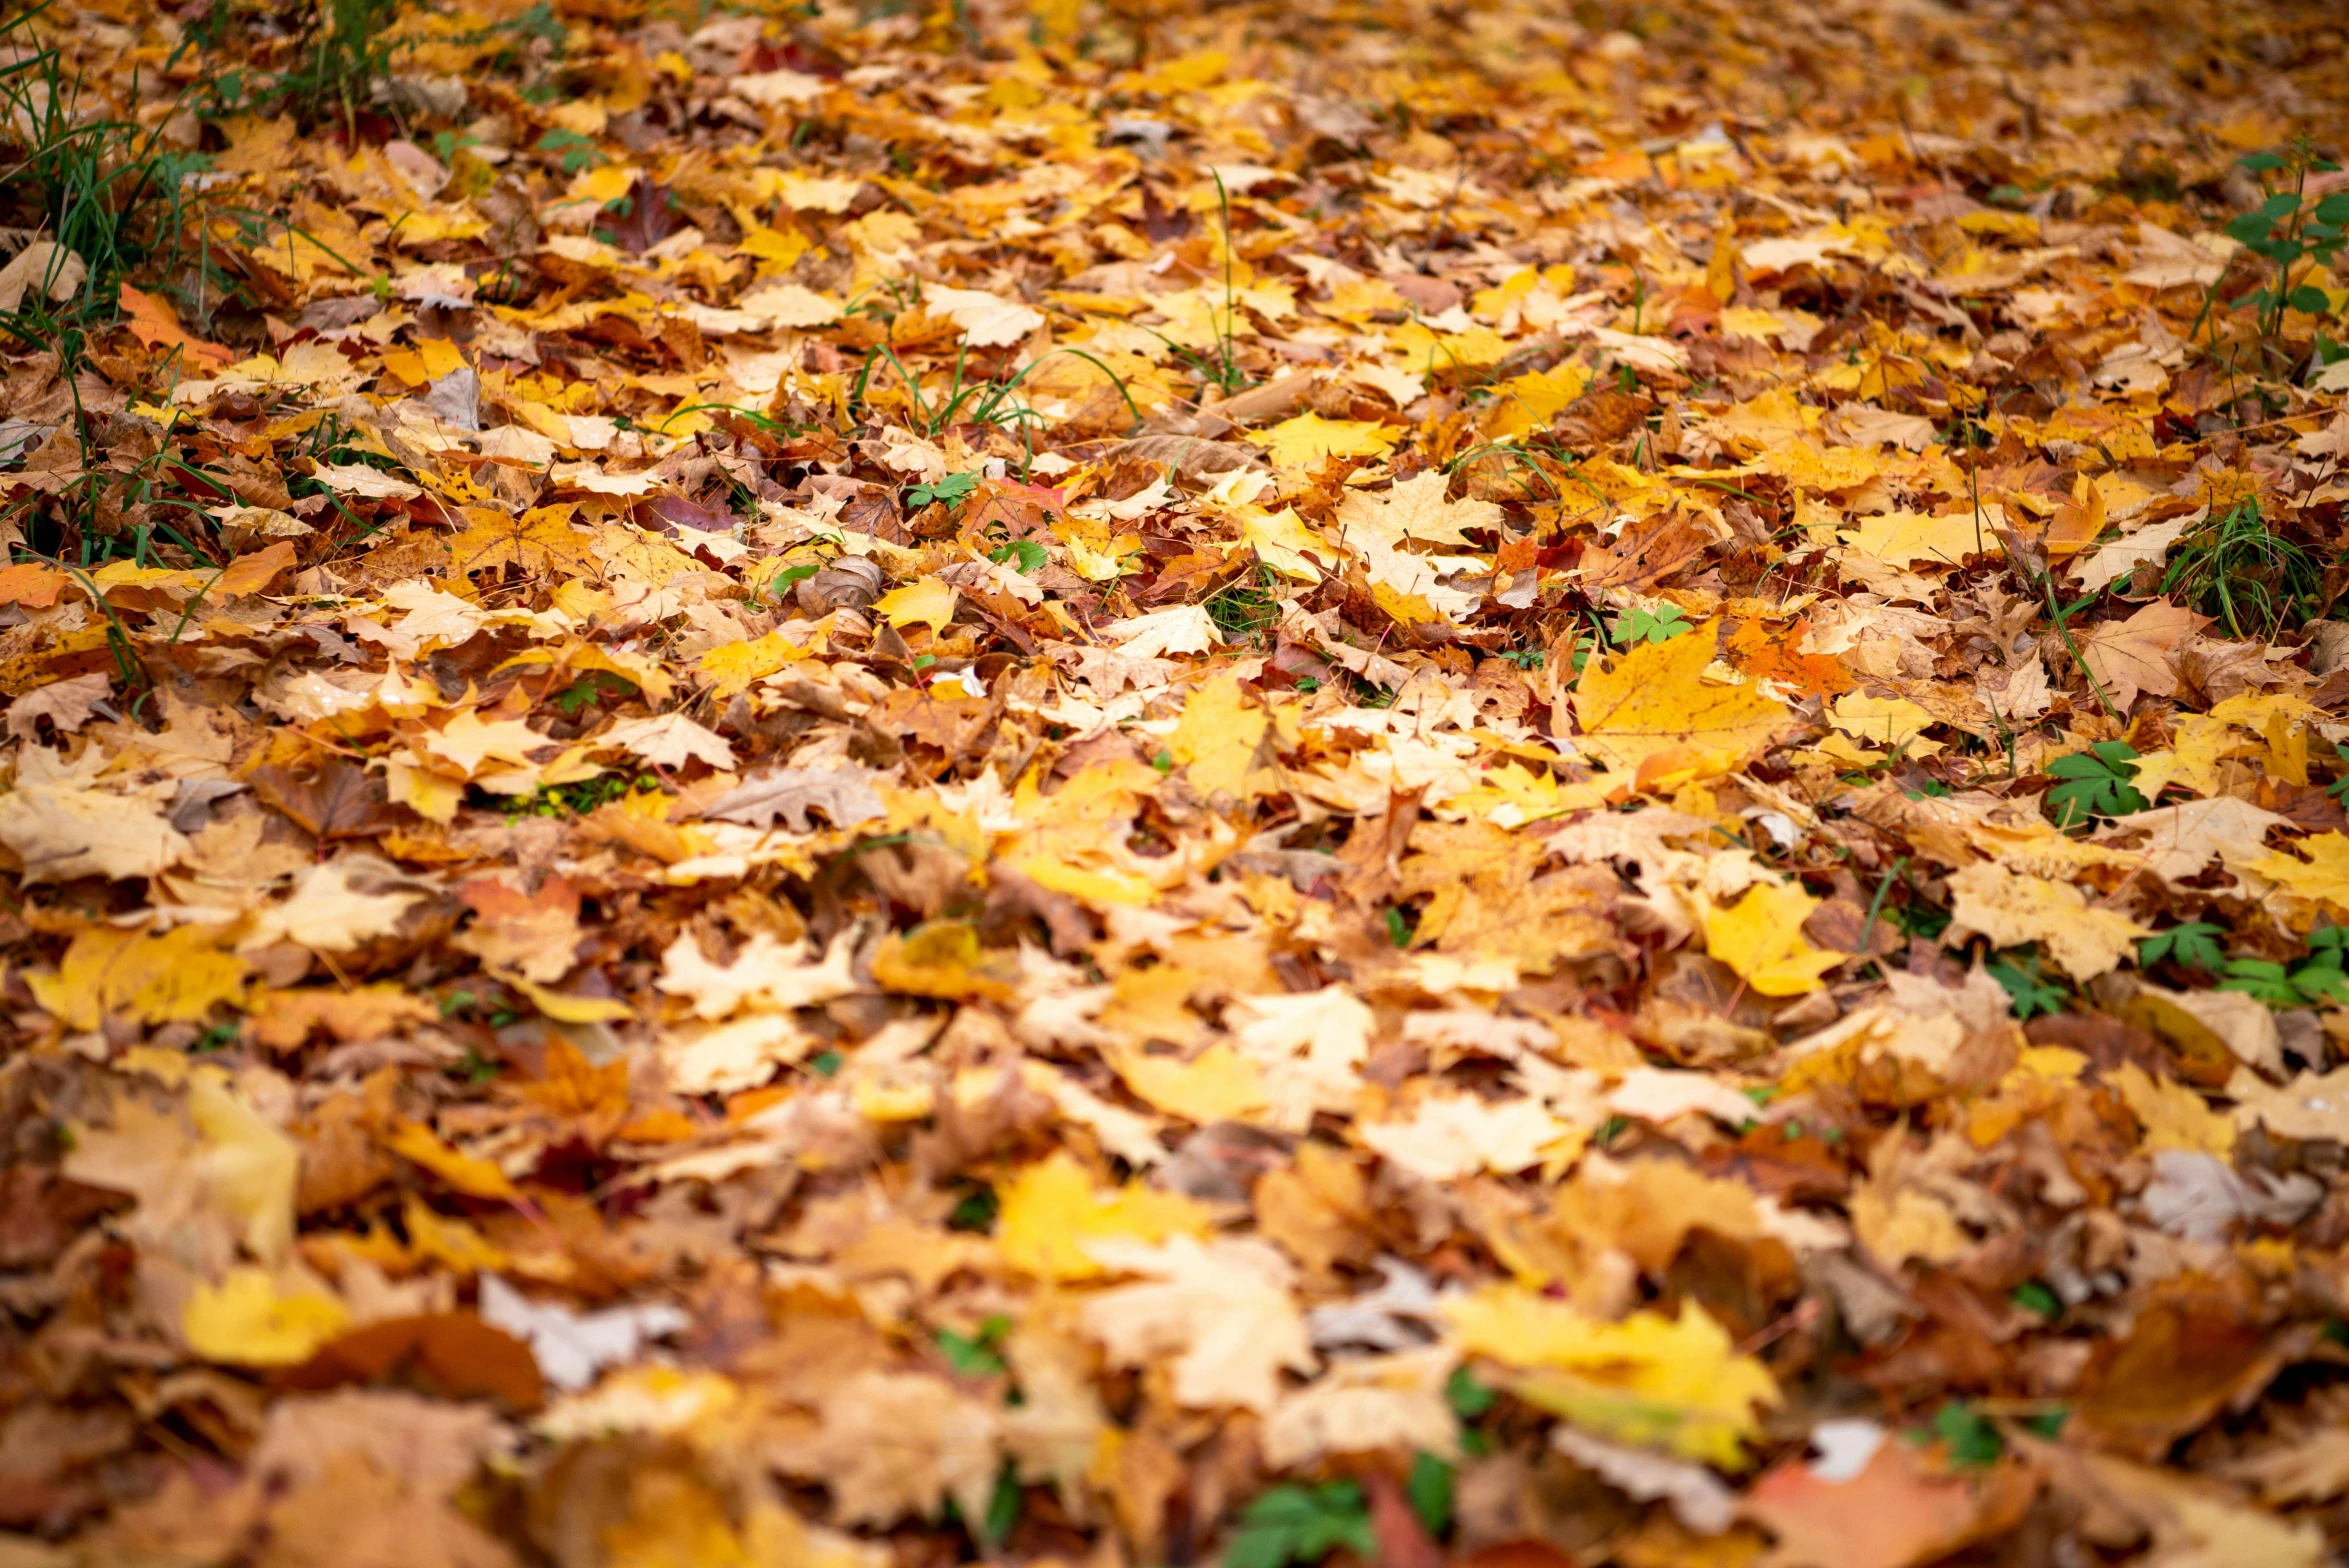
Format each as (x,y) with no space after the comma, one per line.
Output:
(1653,711)
(1222,1312)
(2132,656)
(925,600)
(251,1319)
(2012,908)
(669,740)
(1649,1380)
(1760,937)
(156,978)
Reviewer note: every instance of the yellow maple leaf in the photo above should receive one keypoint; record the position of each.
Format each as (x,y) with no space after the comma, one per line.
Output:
(924,599)
(1761,937)
(1527,402)
(735,665)
(1653,712)
(167,977)
(1894,723)
(250,1320)
(1280,540)
(538,540)
(1219,1084)
(2011,908)
(1050,1210)
(1905,538)
(1217,740)
(1418,509)
(1307,439)
(1659,1382)
(2323,878)
(2173,1116)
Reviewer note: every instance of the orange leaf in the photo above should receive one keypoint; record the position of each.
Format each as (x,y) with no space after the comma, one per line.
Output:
(476,1178)
(153,323)
(32,585)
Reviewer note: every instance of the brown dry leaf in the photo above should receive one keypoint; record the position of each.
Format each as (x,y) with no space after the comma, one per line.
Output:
(2132,656)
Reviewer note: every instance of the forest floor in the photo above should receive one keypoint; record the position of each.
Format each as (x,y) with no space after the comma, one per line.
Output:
(1366,781)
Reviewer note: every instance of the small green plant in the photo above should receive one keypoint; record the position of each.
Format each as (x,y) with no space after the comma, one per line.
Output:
(346,47)
(2036,1298)
(2028,992)
(1525,658)
(1222,371)
(475,1068)
(2318,980)
(580,799)
(108,192)
(2236,569)
(1468,1398)
(1651,626)
(572,150)
(1973,1441)
(1024,556)
(950,491)
(976,1355)
(1429,1491)
(2095,783)
(1302,1524)
(791,577)
(2191,944)
(976,1211)
(593,687)
(2287,228)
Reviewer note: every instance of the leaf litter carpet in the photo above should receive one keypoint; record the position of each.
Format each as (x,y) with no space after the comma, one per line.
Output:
(1502,783)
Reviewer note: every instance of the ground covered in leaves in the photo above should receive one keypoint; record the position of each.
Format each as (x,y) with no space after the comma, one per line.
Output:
(1519,783)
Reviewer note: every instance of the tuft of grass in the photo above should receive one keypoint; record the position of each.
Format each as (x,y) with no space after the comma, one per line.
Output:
(345,48)
(107,190)
(963,402)
(2237,570)
(1221,369)
(580,799)
(1248,608)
